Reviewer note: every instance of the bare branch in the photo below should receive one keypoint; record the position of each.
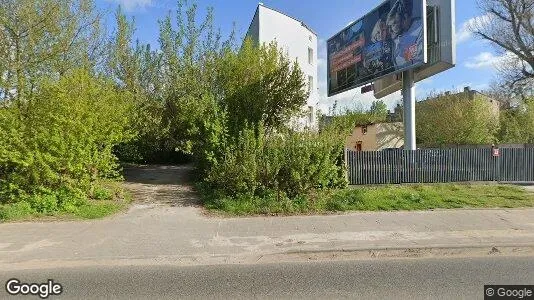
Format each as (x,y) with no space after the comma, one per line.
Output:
(510,28)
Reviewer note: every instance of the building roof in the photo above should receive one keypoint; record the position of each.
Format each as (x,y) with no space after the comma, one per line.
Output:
(282,13)
(466,90)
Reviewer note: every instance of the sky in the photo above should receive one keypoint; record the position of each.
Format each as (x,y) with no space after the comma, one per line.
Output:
(475,65)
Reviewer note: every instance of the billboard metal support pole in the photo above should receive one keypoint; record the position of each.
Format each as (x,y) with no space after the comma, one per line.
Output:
(408,97)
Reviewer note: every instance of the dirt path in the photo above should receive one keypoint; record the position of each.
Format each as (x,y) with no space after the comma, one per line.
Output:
(161,185)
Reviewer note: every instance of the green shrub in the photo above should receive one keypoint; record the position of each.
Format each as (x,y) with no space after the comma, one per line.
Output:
(17,210)
(292,164)
(44,203)
(57,145)
(66,202)
(309,161)
(70,199)
(236,173)
(100,193)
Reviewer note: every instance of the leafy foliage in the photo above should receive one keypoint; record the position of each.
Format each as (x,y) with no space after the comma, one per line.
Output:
(456,119)
(290,164)
(345,122)
(379,109)
(60,144)
(517,124)
(137,70)
(198,95)
(45,38)
(260,85)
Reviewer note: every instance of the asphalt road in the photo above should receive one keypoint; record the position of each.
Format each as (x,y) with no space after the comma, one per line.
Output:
(458,278)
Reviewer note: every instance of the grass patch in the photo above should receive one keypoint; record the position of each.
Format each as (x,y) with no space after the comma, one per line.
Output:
(375,198)
(107,199)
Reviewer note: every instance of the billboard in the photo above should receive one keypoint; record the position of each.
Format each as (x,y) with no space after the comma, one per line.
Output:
(441,45)
(390,39)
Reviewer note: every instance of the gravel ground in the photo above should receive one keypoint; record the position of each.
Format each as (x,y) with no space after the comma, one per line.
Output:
(161,185)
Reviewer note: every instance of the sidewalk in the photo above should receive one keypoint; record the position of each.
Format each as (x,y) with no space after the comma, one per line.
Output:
(184,235)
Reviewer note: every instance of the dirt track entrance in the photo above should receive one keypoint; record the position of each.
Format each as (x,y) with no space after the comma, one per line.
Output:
(161,185)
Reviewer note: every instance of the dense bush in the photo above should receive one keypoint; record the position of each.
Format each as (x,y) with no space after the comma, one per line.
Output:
(517,123)
(456,119)
(57,146)
(290,165)
(260,85)
(62,130)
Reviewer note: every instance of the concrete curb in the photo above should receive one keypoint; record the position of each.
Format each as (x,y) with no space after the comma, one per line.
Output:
(433,251)
(294,256)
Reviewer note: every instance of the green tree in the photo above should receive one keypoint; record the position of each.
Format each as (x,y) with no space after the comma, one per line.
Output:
(212,91)
(45,38)
(379,109)
(65,136)
(137,69)
(259,84)
(456,119)
(517,124)
(192,115)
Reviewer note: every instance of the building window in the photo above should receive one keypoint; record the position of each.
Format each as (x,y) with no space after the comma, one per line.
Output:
(364,129)
(310,115)
(310,56)
(310,84)
(311,39)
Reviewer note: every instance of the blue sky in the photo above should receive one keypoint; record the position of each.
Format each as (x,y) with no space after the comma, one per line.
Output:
(475,59)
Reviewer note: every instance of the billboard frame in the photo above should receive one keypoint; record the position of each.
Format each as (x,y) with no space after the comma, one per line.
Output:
(398,71)
(444,19)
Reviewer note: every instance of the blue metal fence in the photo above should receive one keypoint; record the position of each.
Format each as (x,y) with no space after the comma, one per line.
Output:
(440,165)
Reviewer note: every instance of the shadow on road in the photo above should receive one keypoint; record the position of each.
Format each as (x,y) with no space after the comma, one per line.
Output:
(161,185)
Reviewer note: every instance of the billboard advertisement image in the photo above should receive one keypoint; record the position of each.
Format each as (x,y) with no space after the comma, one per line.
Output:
(388,40)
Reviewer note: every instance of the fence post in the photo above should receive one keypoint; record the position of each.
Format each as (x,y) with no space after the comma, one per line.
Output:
(496,155)
(347,165)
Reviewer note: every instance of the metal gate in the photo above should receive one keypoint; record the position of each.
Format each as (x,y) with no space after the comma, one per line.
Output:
(440,165)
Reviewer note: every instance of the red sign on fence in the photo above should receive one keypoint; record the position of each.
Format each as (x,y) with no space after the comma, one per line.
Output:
(496,152)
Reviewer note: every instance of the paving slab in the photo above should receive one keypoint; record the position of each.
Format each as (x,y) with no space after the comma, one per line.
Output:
(179,229)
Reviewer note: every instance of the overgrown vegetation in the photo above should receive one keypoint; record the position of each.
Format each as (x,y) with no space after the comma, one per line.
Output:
(517,123)
(229,108)
(76,100)
(56,148)
(287,166)
(344,121)
(379,198)
(462,118)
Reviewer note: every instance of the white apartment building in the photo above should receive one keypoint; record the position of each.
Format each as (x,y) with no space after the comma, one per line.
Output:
(299,42)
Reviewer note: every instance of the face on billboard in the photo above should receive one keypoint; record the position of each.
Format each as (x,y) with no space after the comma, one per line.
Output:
(388,40)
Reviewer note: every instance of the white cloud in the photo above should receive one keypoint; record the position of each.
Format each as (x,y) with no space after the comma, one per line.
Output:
(483,60)
(130,5)
(464,32)
(488,60)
